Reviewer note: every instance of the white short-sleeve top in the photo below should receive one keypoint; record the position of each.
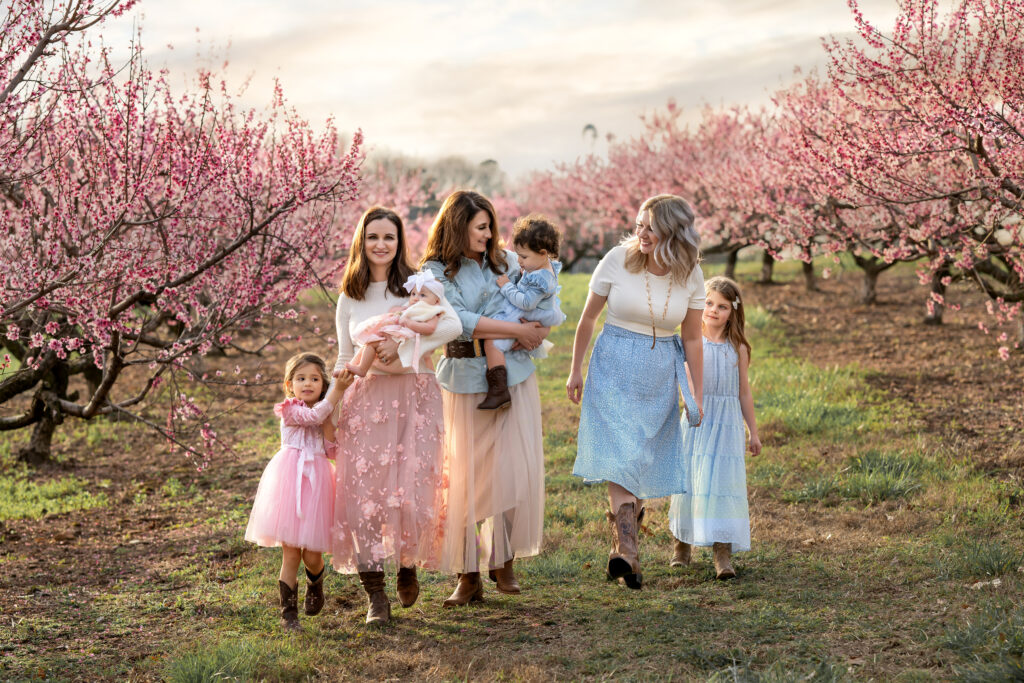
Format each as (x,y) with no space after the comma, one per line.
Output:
(627,295)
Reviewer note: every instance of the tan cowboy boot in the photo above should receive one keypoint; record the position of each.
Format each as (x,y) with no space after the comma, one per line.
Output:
(469,589)
(624,558)
(681,555)
(314,601)
(379,610)
(498,395)
(723,568)
(289,606)
(407,586)
(505,578)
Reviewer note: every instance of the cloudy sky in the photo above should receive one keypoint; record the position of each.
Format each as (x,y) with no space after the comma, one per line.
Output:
(515,81)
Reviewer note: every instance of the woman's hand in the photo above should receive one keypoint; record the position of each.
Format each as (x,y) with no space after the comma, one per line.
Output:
(531,334)
(387,351)
(502,280)
(754,445)
(574,386)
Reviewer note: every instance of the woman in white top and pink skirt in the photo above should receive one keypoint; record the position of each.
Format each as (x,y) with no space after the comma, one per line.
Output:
(389,501)
(630,434)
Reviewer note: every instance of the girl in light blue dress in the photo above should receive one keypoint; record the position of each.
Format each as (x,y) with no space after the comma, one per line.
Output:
(714,510)
(533,297)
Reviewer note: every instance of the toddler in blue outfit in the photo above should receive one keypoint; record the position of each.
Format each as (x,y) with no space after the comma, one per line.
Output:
(533,297)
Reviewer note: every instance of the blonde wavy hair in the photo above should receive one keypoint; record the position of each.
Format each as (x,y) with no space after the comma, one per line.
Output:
(678,247)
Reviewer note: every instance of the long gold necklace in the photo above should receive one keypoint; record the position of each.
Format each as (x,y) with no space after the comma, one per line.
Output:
(650,306)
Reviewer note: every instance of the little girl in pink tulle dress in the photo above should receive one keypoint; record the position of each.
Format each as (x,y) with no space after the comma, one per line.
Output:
(404,324)
(294,505)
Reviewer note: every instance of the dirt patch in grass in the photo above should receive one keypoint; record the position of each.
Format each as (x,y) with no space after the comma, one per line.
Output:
(961,391)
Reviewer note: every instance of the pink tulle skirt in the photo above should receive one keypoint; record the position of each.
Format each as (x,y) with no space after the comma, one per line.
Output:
(294,503)
(387,509)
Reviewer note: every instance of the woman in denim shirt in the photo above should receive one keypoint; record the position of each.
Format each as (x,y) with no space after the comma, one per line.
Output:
(494,460)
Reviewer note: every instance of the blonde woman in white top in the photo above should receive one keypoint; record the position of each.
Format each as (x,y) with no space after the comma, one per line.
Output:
(630,434)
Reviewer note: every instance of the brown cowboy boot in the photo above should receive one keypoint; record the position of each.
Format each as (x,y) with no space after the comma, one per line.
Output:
(469,589)
(682,554)
(314,601)
(408,586)
(635,580)
(498,395)
(289,606)
(379,611)
(723,567)
(624,558)
(505,578)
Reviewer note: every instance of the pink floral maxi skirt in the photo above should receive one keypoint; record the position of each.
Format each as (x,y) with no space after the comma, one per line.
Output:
(494,477)
(388,505)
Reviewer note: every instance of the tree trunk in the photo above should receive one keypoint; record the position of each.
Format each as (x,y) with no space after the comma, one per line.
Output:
(38,450)
(767,267)
(809,282)
(730,263)
(1020,331)
(935,316)
(870,292)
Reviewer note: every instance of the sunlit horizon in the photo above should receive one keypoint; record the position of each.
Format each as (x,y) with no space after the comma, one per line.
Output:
(514,82)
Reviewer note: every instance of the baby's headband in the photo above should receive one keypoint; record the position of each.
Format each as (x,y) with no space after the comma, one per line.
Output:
(424,279)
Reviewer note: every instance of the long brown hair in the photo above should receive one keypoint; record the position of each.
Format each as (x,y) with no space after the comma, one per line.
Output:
(730,291)
(297,361)
(449,235)
(357,273)
(678,247)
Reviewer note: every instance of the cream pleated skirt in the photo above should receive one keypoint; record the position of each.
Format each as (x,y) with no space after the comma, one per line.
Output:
(493,480)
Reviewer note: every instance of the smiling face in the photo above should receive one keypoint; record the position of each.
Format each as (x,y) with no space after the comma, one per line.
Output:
(380,242)
(530,260)
(307,383)
(645,233)
(478,233)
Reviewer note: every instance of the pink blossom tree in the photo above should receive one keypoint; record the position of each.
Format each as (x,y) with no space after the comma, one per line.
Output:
(941,104)
(142,228)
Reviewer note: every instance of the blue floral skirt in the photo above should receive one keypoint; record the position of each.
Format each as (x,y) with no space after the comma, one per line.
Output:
(630,432)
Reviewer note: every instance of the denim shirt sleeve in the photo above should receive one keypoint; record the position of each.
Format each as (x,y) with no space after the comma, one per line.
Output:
(526,294)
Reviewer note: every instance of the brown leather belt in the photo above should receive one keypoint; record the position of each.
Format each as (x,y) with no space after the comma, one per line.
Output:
(463,349)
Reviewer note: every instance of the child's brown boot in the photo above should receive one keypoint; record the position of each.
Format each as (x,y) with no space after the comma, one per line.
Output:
(314,601)
(498,395)
(681,555)
(289,606)
(723,568)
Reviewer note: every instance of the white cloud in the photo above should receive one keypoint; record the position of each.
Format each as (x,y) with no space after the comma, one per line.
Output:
(513,81)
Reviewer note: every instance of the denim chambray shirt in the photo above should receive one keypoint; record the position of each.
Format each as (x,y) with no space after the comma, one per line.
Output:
(474,293)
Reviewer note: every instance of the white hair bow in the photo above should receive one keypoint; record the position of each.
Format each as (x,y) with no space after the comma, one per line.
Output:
(424,279)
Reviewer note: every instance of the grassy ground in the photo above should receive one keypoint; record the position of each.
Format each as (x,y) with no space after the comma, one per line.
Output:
(881,551)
